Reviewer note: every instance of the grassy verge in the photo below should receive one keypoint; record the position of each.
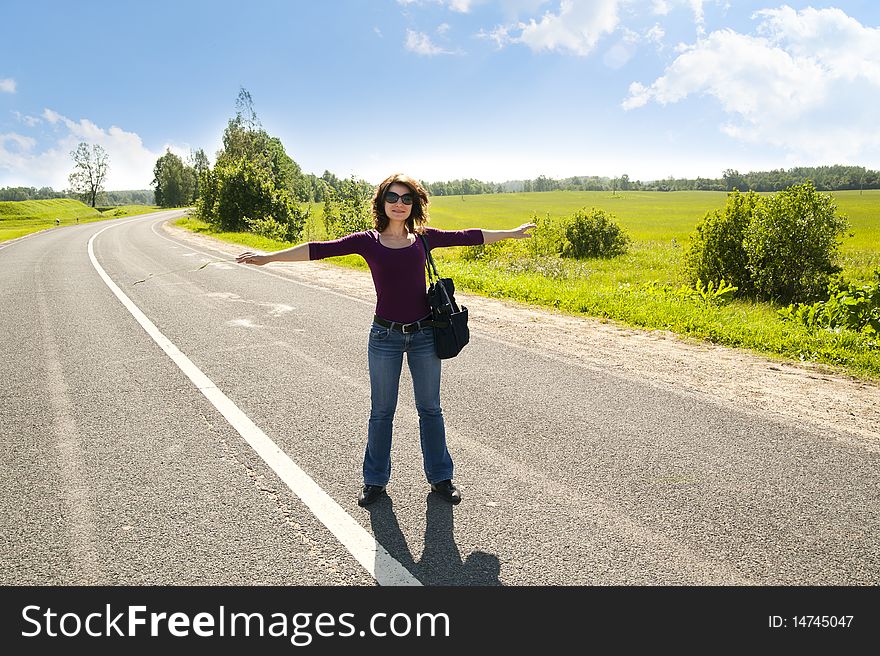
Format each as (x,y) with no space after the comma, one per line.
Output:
(742,324)
(640,288)
(20,218)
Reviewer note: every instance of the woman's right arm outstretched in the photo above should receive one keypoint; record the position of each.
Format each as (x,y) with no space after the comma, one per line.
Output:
(356,242)
(298,253)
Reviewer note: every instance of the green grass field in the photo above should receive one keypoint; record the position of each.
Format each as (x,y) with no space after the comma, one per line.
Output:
(654,220)
(638,288)
(19,218)
(660,224)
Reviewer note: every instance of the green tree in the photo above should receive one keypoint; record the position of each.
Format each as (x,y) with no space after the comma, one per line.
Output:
(734,181)
(200,165)
(348,210)
(247,199)
(245,137)
(91,165)
(254,184)
(175,182)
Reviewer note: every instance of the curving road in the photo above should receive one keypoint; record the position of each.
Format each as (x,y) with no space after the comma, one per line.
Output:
(206,426)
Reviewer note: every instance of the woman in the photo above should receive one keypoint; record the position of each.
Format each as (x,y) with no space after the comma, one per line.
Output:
(396,257)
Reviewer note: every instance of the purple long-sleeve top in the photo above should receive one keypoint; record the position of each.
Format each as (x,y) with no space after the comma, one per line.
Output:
(398,273)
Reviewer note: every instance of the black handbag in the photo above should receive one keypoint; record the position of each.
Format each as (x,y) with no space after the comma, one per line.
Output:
(451,332)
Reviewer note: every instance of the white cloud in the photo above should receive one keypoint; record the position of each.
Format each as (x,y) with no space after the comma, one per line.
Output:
(743,72)
(51,116)
(576,28)
(639,95)
(655,35)
(699,16)
(21,143)
(499,35)
(421,44)
(7,85)
(442,28)
(660,8)
(29,121)
(807,82)
(461,6)
(131,163)
(664,8)
(842,46)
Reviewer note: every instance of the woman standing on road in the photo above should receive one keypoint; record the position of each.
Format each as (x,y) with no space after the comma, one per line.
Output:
(396,258)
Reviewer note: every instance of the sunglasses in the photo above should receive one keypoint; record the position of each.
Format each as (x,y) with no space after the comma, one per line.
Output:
(391,198)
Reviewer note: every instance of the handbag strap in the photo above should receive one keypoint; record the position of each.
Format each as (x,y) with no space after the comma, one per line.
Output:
(429,264)
(429,261)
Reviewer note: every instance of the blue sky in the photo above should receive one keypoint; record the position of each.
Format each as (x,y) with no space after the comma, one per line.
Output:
(443,89)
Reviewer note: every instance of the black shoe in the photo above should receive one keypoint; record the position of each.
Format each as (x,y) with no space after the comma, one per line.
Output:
(369,494)
(447,490)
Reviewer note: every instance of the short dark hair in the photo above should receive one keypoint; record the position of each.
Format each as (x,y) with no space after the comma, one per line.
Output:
(419,215)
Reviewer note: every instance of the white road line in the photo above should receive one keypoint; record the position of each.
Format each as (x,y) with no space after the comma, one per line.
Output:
(370,554)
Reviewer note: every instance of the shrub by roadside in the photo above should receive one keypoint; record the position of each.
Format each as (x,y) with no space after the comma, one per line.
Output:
(588,233)
(849,306)
(778,248)
(593,233)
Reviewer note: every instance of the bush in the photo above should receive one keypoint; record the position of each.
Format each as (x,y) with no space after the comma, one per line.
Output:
(791,244)
(267,227)
(779,248)
(548,236)
(716,249)
(587,233)
(848,306)
(593,233)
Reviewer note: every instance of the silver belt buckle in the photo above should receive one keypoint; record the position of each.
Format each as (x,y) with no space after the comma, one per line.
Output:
(408,325)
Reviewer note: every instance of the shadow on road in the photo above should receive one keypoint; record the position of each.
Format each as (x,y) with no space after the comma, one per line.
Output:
(441,562)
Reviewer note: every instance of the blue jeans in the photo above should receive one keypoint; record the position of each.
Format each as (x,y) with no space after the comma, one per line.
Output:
(386,349)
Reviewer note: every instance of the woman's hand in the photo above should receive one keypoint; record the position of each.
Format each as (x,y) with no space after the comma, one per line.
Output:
(253,258)
(523,231)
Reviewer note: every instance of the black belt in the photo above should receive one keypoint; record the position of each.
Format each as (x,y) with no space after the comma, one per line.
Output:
(406,328)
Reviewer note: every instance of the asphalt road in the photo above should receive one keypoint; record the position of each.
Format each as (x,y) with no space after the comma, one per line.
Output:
(118,469)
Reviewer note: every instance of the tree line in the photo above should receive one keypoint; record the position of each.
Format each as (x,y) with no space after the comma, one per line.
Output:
(104,198)
(823,178)
(307,187)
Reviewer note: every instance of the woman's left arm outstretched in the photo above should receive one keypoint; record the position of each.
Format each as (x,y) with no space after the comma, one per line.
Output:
(491,236)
